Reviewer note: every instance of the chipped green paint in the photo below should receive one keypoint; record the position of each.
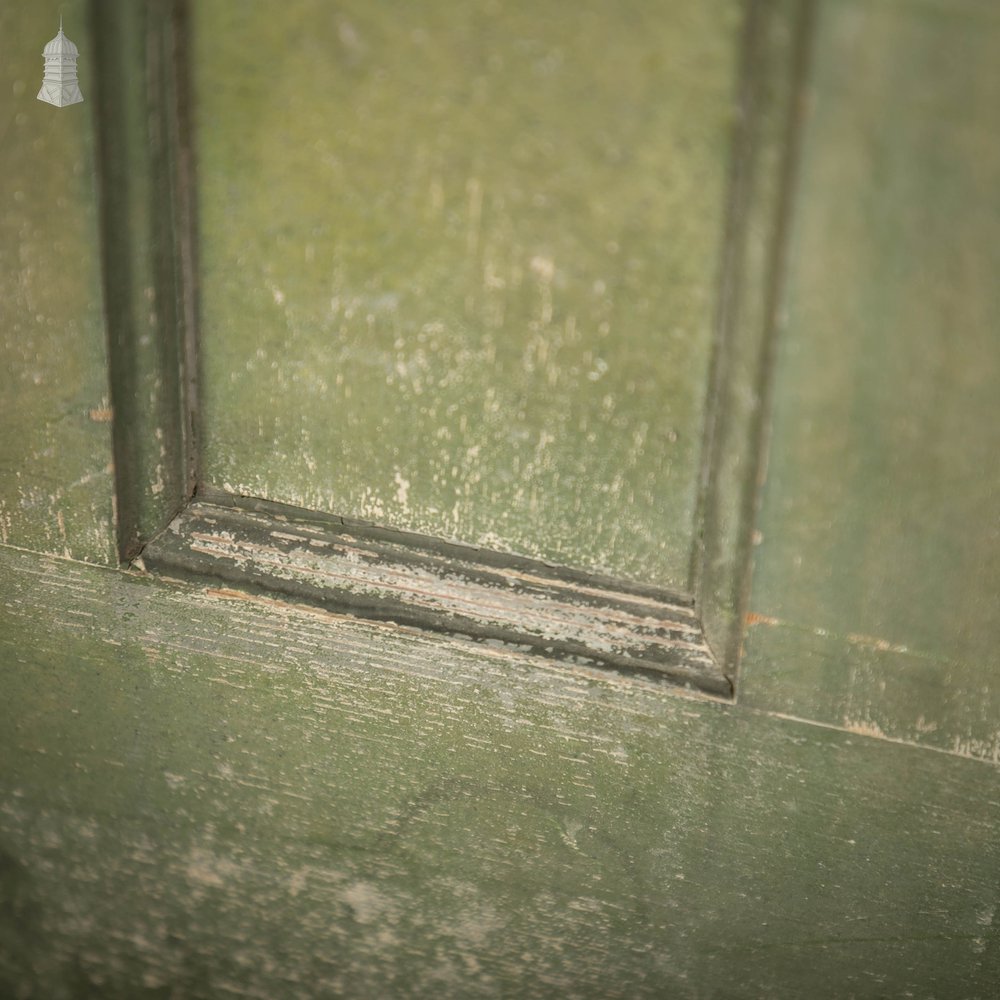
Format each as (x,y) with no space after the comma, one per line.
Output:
(55,440)
(206,796)
(878,570)
(459,266)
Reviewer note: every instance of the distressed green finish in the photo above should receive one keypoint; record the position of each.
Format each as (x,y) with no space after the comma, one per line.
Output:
(206,793)
(878,569)
(55,441)
(460,262)
(202,797)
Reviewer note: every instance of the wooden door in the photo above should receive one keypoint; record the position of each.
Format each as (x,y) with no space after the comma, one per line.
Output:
(354,644)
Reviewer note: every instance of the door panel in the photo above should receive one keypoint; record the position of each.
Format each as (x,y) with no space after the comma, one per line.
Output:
(459,266)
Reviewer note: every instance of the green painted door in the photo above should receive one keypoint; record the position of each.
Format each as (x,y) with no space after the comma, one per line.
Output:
(690,296)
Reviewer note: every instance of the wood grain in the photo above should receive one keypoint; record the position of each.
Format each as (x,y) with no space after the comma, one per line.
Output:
(207,796)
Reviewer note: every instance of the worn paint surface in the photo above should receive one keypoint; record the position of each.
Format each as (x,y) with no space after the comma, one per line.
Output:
(295,555)
(459,266)
(878,567)
(55,441)
(205,797)
(204,793)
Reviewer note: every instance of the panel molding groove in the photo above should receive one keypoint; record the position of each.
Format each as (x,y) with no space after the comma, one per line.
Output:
(376,573)
(146,192)
(775,69)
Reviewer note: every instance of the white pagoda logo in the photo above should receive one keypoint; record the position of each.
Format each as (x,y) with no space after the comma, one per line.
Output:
(60,86)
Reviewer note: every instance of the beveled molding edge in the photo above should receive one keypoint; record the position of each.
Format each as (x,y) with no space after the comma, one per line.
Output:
(380,574)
